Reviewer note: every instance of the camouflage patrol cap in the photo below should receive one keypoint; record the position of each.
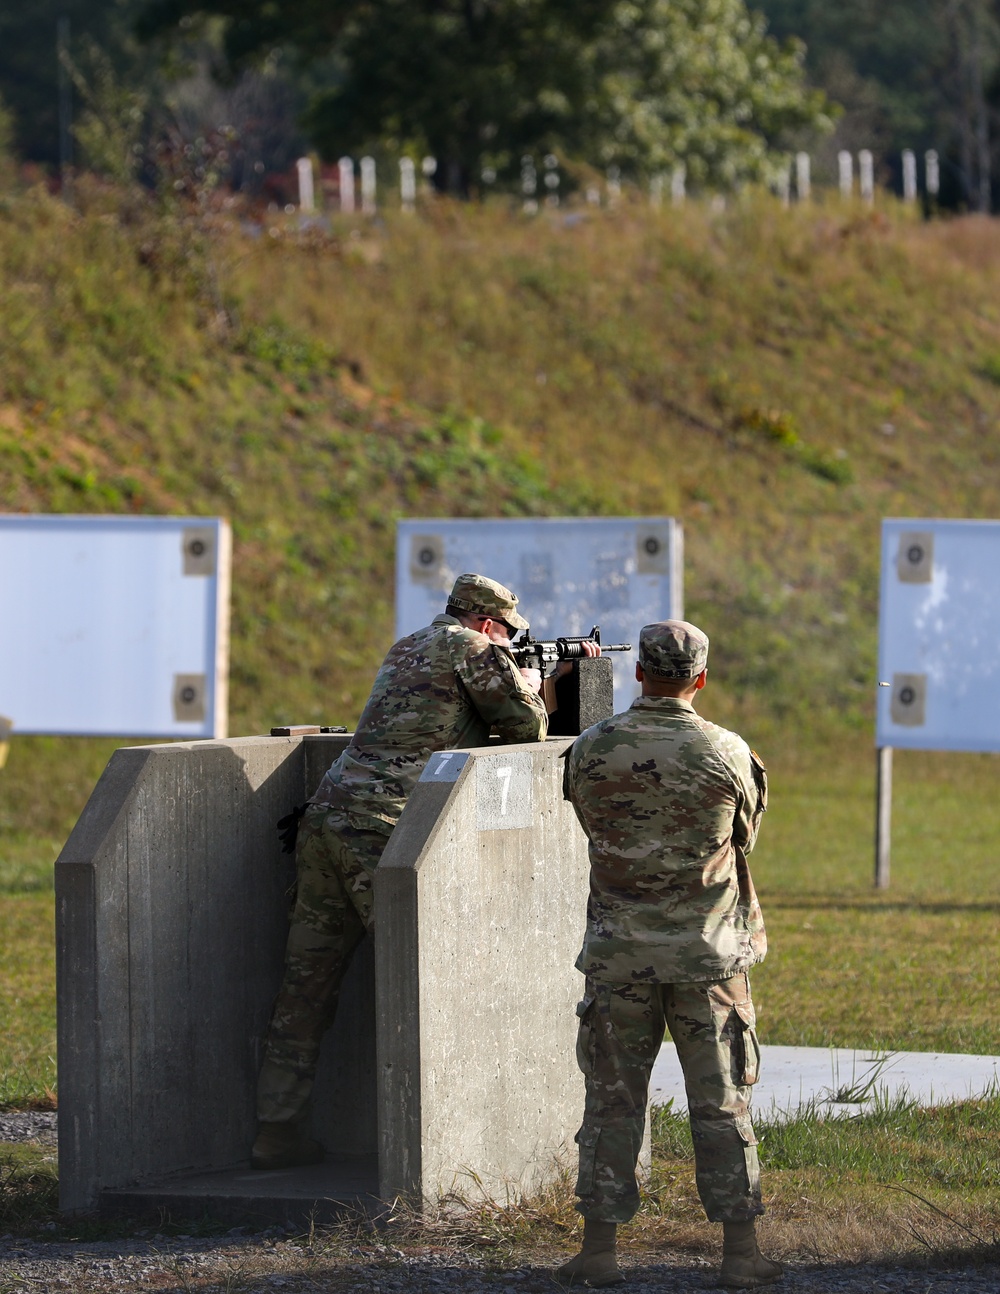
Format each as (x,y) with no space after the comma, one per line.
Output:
(480,596)
(672,649)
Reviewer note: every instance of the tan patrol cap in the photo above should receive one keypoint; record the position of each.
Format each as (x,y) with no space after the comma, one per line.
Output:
(672,649)
(480,596)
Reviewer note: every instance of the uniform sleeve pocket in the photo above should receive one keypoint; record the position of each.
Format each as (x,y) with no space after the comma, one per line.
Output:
(747,1056)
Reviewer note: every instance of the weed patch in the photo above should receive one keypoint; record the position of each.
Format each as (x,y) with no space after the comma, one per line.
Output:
(780,427)
(27,1000)
(29,1187)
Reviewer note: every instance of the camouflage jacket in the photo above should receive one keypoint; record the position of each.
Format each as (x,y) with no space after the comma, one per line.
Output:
(439,688)
(671,805)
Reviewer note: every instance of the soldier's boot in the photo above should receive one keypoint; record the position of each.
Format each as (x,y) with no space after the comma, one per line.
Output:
(596,1263)
(282,1145)
(743,1265)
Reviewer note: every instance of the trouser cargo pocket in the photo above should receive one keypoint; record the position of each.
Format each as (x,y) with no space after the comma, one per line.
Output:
(747,1057)
(586,1044)
(587,1139)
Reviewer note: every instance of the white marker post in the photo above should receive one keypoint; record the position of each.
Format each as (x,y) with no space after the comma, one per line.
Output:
(307,196)
(551,179)
(345,172)
(845,173)
(866,175)
(678,184)
(933,173)
(803,177)
(909,175)
(407,184)
(368,185)
(529,184)
(783,184)
(613,185)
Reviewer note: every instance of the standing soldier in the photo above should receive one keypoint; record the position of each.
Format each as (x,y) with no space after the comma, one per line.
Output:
(441,688)
(671,805)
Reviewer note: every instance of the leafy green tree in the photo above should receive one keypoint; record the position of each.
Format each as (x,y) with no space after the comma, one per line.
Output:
(7,168)
(109,129)
(29,63)
(466,80)
(911,74)
(699,83)
(642,84)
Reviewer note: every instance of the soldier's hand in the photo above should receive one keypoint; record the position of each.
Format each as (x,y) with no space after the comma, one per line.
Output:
(533,678)
(589,648)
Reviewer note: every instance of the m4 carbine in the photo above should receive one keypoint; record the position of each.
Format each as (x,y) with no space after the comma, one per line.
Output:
(544,654)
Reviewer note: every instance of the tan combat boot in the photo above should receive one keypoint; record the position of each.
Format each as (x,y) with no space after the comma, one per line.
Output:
(744,1267)
(595,1264)
(282,1145)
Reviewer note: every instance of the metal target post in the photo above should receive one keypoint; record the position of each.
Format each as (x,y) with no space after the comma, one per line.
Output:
(883,815)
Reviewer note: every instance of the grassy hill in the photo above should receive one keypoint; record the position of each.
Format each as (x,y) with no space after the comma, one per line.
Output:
(778,380)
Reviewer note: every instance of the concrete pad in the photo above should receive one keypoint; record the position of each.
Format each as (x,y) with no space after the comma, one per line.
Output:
(319,1193)
(840,1082)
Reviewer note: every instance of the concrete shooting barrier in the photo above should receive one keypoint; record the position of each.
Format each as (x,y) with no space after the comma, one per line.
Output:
(451,1067)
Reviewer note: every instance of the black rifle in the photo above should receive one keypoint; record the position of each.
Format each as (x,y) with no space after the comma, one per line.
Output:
(544,654)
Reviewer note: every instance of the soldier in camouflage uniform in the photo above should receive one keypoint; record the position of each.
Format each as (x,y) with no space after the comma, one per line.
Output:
(671,805)
(441,688)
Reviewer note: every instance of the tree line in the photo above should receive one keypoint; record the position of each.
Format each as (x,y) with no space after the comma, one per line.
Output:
(643,86)
(909,74)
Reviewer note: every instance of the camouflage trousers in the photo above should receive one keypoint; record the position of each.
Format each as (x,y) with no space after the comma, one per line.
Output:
(713,1028)
(335,863)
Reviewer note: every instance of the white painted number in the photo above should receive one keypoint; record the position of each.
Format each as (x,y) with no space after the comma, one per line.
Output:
(442,760)
(504,775)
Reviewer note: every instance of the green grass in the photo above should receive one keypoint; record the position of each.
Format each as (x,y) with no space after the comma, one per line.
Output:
(950,1148)
(909,968)
(776,380)
(898,1182)
(29,1187)
(27,1000)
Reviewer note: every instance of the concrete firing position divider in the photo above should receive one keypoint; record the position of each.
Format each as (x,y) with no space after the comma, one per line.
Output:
(452,1062)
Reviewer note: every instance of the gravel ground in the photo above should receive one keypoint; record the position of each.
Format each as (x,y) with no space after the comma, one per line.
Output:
(235,1265)
(271,1262)
(31,1125)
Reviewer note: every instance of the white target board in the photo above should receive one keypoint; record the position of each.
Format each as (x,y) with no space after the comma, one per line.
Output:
(570,573)
(115,626)
(939,635)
